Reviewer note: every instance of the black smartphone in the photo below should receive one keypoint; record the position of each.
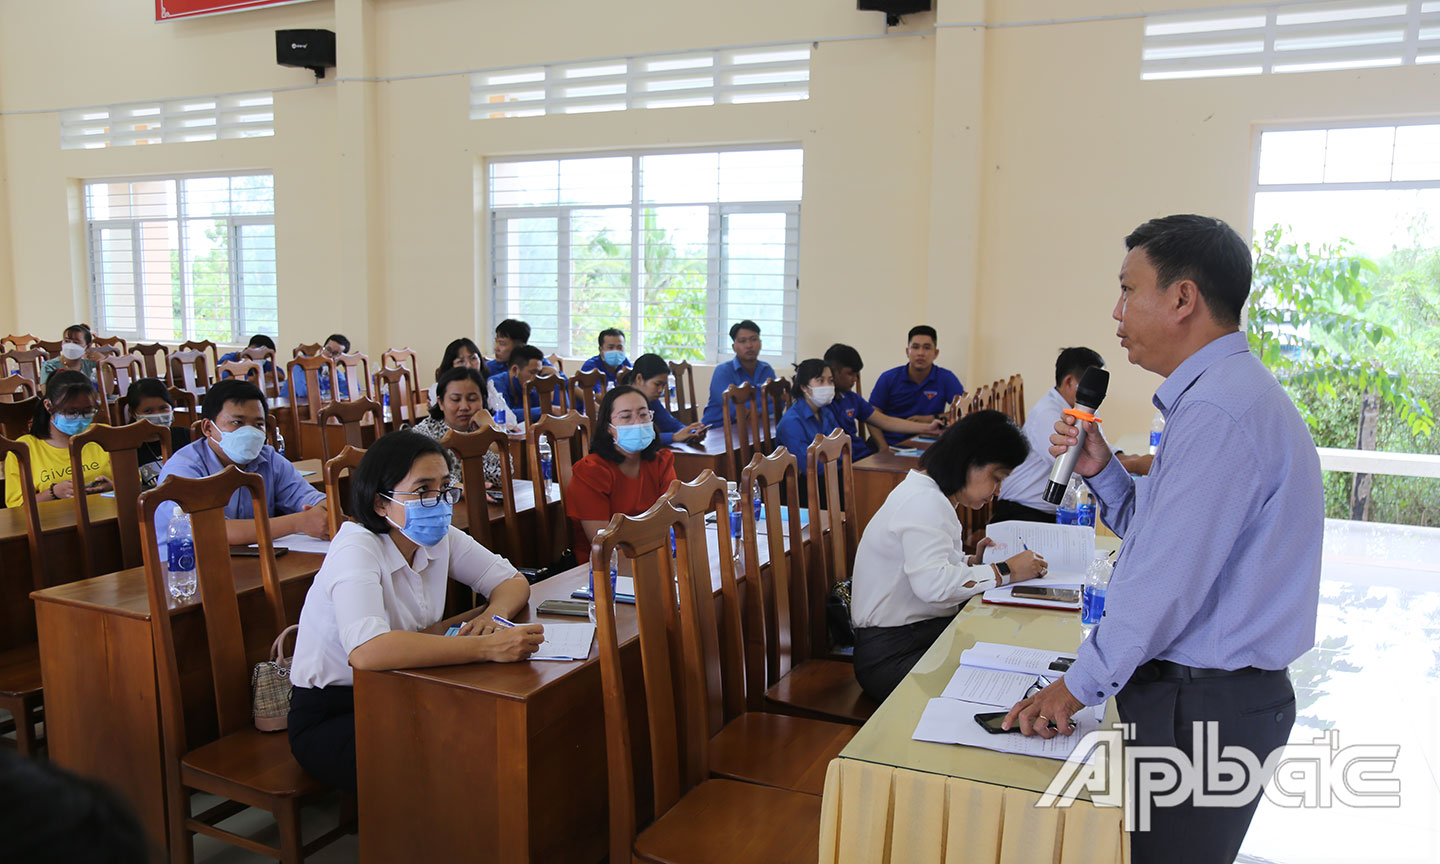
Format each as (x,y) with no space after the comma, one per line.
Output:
(1061,664)
(578,608)
(1036,592)
(991,723)
(254,552)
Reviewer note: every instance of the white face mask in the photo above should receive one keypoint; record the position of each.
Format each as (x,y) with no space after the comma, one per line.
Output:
(72,351)
(822,394)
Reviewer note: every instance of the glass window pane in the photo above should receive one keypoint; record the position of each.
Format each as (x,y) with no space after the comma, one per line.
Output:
(761,175)
(207,272)
(259,298)
(1292,157)
(525,184)
(596,181)
(756,253)
(600,275)
(1417,153)
(531,287)
(675,286)
(1359,155)
(679,178)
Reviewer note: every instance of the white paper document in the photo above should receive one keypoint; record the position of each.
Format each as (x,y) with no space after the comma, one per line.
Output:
(566,641)
(1015,658)
(303,543)
(951,721)
(1067,549)
(1004,595)
(988,686)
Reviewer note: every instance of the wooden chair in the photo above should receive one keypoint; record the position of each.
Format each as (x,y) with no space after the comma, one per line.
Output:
(244,766)
(249,370)
(21,689)
(204,347)
(13,388)
(308,369)
(156,358)
(190,370)
(18,343)
(745,743)
(307,349)
(696,818)
(115,375)
(775,400)
(1015,396)
(470,448)
(336,494)
(361,420)
(401,358)
(49,347)
(397,388)
(557,361)
(686,408)
(547,387)
(740,417)
(585,401)
(185,401)
(266,356)
(568,435)
(115,343)
(26,364)
(356,369)
(16,416)
(123,444)
(589,389)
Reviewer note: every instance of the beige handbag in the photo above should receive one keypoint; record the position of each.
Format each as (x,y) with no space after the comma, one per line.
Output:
(270,686)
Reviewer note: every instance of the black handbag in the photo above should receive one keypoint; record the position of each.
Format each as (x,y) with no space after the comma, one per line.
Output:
(837,615)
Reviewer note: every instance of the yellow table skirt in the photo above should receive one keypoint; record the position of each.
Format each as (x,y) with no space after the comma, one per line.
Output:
(878,814)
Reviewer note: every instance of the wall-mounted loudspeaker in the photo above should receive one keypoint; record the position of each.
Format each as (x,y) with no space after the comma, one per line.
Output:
(306,49)
(893,9)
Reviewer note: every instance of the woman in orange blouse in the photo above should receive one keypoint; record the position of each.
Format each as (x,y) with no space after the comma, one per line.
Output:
(625,472)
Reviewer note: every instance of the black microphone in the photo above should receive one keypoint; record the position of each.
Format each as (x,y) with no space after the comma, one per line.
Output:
(1088,397)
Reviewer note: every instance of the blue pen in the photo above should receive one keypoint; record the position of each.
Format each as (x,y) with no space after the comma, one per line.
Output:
(1022,543)
(501,621)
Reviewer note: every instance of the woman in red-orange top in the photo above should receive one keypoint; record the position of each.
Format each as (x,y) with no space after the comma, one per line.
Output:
(625,472)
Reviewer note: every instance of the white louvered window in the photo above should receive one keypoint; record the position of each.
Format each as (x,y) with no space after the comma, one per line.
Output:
(180,258)
(1291,37)
(201,118)
(670,247)
(771,74)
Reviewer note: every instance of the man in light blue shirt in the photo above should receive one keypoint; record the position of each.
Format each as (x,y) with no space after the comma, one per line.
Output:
(747,367)
(611,360)
(233,433)
(1217,585)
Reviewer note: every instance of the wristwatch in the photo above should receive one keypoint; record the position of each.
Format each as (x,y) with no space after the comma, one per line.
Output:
(1003,570)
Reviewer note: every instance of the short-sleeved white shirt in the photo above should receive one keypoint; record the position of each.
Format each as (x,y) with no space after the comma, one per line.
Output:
(366,588)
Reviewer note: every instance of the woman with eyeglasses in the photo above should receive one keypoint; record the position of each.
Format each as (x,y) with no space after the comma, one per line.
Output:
(626,470)
(379,595)
(149,400)
(67,409)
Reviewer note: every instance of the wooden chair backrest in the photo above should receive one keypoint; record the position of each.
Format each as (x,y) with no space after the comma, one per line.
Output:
(740,417)
(16,417)
(775,400)
(1015,399)
(832,559)
(204,346)
(266,358)
(777,631)
(113,342)
(686,399)
(18,343)
(585,401)
(205,499)
(591,386)
(547,386)
(557,361)
(307,407)
(400,358)
(307,349)
(26,363)
(356,369)
(114,376)
(39,577)
(248,370)
(123,444)
(49,347)
(399,386)
(185,401)
(470,448)
(336,497)
(16,387)
(360,418)
(567,435)
(156,358)
(977,401)
(190,370)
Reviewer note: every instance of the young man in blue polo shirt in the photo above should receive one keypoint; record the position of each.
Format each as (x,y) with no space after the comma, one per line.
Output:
(611,360)
(852,409)
(919,390)
(506,389)
(746,367)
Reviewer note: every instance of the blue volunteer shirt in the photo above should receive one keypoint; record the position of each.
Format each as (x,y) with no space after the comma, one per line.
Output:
(498,367)
(666,424)
(509,390)
(728,373)
(798,428)
(897,395)
(285,490)
(852,409)
(597,364)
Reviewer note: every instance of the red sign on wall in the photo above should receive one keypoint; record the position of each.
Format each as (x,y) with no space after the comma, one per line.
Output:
(168,9)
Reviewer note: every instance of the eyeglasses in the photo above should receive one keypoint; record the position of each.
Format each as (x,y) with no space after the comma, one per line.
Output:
(623,418)
(77,415)
(431,497)
(1041,682)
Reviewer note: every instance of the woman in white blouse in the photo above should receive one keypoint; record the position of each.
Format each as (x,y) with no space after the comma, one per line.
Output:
(911,572)
(382,589)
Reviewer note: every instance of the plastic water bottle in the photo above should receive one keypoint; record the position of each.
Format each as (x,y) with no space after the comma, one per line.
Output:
(1157,426)
(1085,513)
(279,442)
(732,494)
(755,499)
(1068,513)
(547,466)
(1092,593)
(614,576)
(180,541)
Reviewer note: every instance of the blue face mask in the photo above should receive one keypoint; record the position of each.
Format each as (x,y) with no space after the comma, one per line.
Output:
(242,445)
(614,359)
(635,437)
(72,425)
(425,525)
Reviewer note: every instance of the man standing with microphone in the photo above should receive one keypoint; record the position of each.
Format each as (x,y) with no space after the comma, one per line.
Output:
(1217,585)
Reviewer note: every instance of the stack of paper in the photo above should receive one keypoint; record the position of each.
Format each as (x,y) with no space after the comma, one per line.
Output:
(566,642)
(1067,550)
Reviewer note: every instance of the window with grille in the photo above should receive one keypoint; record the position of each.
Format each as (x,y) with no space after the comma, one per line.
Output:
(200,118)
(1291,37)
(670,247)
(180,258)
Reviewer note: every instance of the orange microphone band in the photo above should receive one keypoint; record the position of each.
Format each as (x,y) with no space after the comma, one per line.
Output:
(1082,415)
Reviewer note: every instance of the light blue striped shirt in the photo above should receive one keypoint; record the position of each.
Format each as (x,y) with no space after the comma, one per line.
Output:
(1220,568)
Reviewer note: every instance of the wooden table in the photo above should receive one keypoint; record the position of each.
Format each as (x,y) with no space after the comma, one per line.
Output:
(62,555)
(693,458)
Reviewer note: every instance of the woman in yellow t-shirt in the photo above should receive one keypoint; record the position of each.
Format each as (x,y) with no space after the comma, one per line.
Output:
(67,409)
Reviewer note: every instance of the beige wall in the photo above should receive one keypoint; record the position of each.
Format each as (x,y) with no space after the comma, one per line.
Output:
(976,177)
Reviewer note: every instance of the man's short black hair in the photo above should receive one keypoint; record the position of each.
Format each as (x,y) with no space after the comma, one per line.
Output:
(50,814)
(518,332)
(602,443)
(609,331)
(1204,250)
(842,356)
(260,340)
(230,390)
(147,388)
(383,466)
(339,337)
(1074,361)
(979,438)
(805,372)
(521,355)
(922,330)
(747,324)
